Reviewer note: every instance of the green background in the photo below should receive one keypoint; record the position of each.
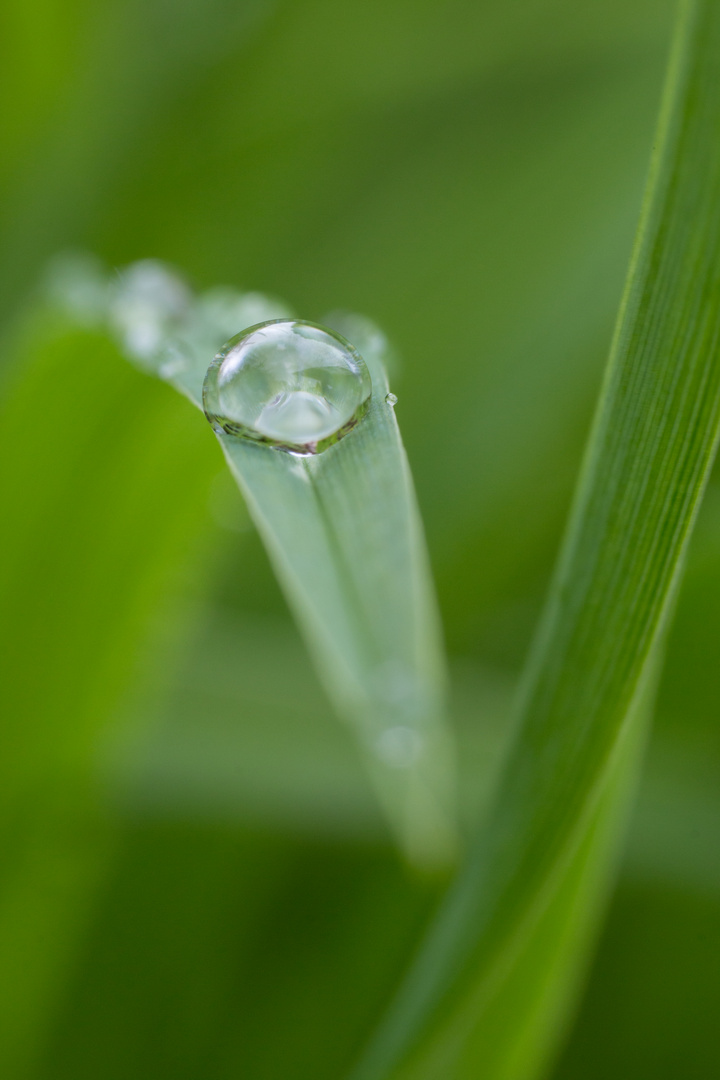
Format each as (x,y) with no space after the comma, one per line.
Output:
(196,882)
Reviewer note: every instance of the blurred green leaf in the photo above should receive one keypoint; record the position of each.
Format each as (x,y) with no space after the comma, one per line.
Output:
(91,551)
(208,938)
(197,747)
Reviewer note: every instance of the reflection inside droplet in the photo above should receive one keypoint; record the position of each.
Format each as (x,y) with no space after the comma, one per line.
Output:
(288,383)
(391,400)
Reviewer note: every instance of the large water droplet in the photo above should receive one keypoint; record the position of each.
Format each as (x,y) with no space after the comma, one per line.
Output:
(288,383)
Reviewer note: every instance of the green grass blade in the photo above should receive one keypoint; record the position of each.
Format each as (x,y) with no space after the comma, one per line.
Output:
(98,527)
(344,536)
(650,452)
(355,576)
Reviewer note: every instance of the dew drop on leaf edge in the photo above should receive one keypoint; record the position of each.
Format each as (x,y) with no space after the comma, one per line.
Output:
(289,384)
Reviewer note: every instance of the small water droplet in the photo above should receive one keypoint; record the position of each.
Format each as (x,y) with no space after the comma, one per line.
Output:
(288,383)
(391,399)
(148,305)
(399,746)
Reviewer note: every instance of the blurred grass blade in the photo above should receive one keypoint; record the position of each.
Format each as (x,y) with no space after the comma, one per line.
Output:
(485,997)
(344,536)
(98,526)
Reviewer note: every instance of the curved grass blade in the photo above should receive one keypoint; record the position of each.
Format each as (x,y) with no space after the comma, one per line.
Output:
(493,980)
(344,536)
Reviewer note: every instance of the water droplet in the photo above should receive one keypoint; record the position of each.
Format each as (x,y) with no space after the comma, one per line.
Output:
(288,383)
(148,305)
(399,746)
(391,399)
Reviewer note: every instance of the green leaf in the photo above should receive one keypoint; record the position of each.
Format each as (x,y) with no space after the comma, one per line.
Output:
(99,524)
(344,536)
(509,919)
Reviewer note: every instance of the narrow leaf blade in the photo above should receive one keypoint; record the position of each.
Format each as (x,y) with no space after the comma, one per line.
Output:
(649,456)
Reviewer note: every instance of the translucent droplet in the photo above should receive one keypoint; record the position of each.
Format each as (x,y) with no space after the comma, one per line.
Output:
(391,399)
(288,383)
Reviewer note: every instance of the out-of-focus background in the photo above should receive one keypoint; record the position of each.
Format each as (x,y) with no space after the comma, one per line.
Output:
(196,883)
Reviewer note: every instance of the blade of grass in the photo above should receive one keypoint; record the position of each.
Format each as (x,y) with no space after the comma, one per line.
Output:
(344,536)
(649,456)
(355,576)
(97,533)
